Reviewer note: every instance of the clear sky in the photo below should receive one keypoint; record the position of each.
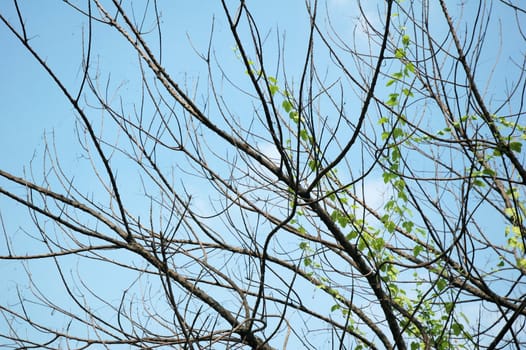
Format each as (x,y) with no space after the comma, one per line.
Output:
(34,114)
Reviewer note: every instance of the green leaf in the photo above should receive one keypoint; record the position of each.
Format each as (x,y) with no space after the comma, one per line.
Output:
(510,212)
(340,218)
(403,196)
(415,346)
(488,172)
(405,40)
(399,53)
(479,183)
(397,132)
(389,176)
(313,164)
(383,120)
(449,306)
(294,116)
(335,307)
(457,328)
(395,153)
(441,284)
(287,106)
(304,134)
(351,235)
(417,250)
(378,243)
(390,226)
(407,92)
(408,226)
(516,146)
(333,292)
(399,184)
(343,221)
(392,102)
(304,245)
(361,244)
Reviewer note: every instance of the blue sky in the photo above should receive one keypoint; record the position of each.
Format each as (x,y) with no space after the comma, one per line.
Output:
(35,113)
